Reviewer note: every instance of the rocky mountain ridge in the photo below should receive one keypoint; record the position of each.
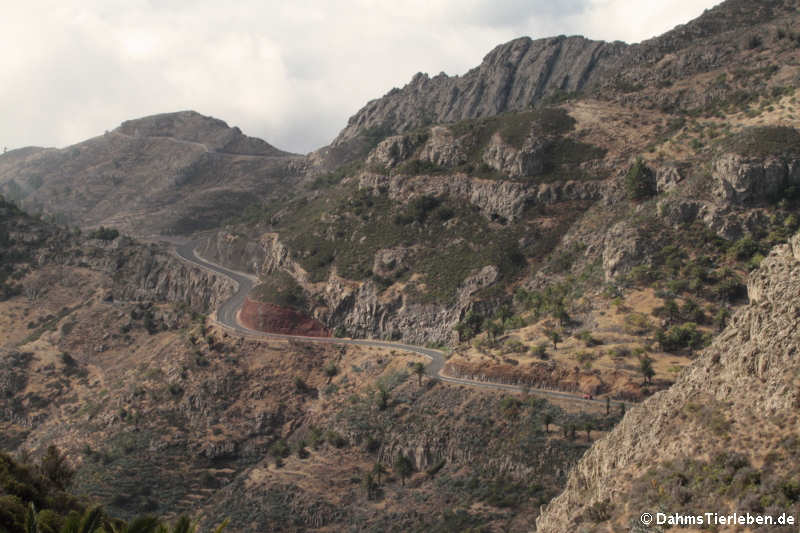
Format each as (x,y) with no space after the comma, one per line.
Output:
(512,77)
(524,72)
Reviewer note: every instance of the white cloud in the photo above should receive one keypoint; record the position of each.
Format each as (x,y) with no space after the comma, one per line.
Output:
(289,72)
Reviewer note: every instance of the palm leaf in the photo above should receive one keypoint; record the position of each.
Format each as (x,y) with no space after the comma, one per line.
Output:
(92,520)
(143,524)
(184,525)
(31,523)
(72,524)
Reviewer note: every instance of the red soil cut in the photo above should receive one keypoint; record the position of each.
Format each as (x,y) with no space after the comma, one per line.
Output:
(271,318)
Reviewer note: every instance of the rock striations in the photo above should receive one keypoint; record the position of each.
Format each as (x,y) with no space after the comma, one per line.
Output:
(523,72)
(512,77)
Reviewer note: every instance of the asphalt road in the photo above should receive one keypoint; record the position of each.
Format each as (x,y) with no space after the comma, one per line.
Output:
(227,317)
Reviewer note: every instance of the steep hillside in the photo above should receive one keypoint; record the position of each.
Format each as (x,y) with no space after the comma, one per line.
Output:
(722,439)
(173,173)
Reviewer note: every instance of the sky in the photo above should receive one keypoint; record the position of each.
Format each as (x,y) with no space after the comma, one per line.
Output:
(291,73)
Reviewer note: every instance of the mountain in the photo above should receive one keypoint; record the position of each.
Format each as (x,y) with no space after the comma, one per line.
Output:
(524,72)
(581,221)
(512,77)
(171,173)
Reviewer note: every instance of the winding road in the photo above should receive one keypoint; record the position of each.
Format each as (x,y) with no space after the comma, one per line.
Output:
(228,311)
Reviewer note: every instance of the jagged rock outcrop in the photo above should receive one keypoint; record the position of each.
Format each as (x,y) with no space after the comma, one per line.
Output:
(679,211)
(732,223)
(750,369)
(513,162)
(740,180)
(389,261)
(148,272)
(523,72)
(391,152)
(513,76)
(668,177)
(443,149)
(495,198)
(623,248)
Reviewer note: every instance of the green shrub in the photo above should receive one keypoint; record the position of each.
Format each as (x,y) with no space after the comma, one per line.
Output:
(469,326)
(540,351)
(280,289)
(418,166)
(639,181)
(745,248)
(680,337)
(104,234)
(335,439)
(515,346)
(588,339)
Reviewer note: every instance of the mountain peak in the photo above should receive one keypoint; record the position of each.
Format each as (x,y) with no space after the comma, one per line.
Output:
(191,126)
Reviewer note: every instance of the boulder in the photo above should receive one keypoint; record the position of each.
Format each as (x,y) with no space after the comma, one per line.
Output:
(667,178)
(739,180)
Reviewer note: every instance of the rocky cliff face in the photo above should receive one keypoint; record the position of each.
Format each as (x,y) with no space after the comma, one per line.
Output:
(518,74)
(151,273)
(512,77)
(741,180)
(749,372)
(495,199)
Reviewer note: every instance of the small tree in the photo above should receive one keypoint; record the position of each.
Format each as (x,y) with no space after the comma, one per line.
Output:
(588,426)
(330,371)
(54,467)
(547,419)
(555,337)
(403,467)
(608,405)
(278,451)
(639,181)
(382,397)
(560,314)
(368,482)
(646,369)
(493,330)
(377,470)
(469,326)
(300,384)
(419,370)
(540,351)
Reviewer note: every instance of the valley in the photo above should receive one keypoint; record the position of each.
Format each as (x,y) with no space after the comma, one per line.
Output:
(551,294)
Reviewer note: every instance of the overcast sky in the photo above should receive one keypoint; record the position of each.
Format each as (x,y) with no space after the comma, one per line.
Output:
(288,72)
